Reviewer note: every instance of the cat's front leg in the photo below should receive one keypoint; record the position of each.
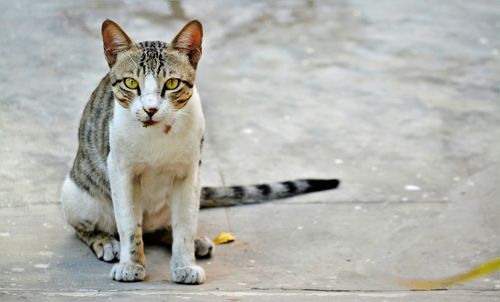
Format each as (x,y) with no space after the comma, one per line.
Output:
(128,215)
(184,210)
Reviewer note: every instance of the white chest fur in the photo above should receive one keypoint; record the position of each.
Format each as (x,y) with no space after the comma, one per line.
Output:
(158,154)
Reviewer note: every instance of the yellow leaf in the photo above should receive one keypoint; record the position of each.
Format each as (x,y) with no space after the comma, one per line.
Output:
(480,270)
(224,238)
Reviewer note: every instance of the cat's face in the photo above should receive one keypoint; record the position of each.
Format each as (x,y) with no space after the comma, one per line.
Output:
(153,80)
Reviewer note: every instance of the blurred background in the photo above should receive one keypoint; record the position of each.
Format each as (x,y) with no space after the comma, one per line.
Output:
(398,99)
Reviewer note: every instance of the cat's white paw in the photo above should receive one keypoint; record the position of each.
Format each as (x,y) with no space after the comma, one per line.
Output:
(192,274)
(128,272)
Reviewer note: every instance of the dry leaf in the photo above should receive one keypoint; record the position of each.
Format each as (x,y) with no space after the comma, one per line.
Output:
(480,270)
(224,238)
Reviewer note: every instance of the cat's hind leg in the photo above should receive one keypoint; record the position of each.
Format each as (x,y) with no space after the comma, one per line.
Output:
(104,245)
(203,248)
(92,219)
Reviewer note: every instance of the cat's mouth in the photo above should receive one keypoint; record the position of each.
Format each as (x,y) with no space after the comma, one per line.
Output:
(148,123)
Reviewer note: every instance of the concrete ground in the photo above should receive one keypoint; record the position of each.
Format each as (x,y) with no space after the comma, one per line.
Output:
(399,99)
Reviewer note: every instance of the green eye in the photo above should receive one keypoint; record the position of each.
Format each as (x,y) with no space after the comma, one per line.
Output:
(131,83)
(172,83)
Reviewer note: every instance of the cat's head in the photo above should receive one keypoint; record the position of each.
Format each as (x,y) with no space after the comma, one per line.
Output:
(152,79)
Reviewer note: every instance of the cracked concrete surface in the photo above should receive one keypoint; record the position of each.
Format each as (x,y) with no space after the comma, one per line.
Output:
(399,99)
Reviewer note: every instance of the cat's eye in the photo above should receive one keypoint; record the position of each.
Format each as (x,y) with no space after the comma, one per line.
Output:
(131,83)
(172,83)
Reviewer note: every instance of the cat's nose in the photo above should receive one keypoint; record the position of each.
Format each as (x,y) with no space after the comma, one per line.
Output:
(150,111)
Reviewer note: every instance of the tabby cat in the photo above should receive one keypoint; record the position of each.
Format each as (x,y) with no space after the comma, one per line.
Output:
(137,165)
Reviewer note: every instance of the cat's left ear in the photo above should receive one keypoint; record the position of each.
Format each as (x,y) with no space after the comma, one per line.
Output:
(188,41)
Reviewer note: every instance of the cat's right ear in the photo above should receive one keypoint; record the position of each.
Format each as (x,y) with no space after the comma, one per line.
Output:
(115,41)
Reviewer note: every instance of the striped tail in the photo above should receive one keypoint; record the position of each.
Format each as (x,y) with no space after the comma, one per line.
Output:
(237,195)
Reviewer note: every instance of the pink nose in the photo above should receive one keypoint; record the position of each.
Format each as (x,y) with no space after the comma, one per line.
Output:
(150,111)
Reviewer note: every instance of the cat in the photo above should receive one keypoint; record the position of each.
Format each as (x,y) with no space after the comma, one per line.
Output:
(136,170)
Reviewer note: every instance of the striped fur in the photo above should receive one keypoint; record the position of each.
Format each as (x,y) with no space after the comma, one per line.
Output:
(89,169)
(239,195)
